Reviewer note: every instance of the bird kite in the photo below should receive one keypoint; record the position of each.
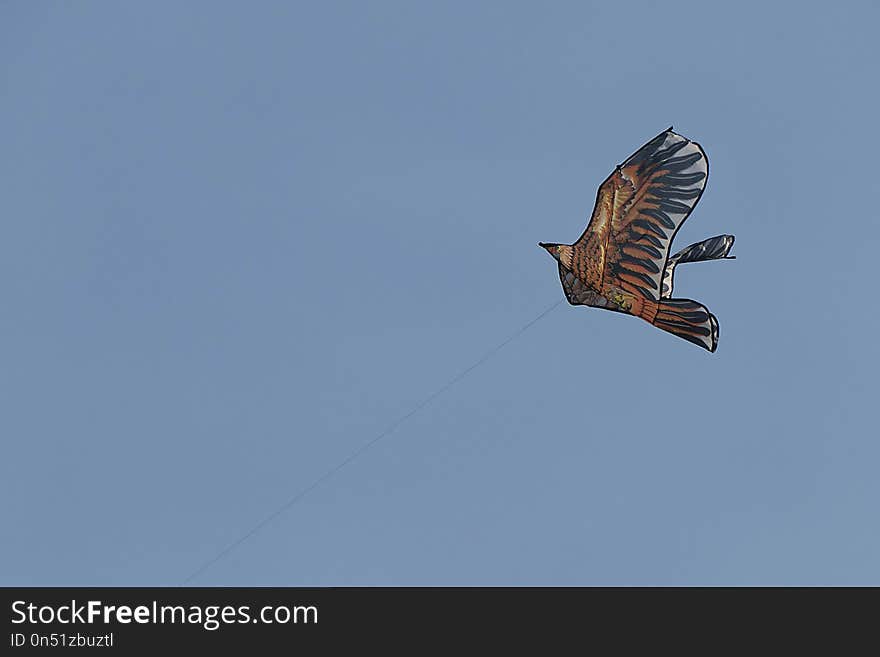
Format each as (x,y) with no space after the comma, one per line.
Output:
(622,263)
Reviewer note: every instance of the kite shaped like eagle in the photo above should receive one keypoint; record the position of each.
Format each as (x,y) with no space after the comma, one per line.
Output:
(622,263)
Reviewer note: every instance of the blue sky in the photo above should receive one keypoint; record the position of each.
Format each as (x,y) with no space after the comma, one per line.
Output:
(240,240)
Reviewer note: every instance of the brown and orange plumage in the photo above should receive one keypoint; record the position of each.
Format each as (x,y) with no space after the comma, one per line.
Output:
(622,263)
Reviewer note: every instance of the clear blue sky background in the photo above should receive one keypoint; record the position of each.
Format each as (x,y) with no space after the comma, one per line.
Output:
(240,239)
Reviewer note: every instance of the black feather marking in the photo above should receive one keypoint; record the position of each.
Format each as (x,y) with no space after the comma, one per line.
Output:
(693,316)
(674,206)
(681,179)
(681,303)
(650,250)
(647,150)
(659,156)
(659,215)
(643,277)
(647,236)
(701,330)
(683,162)
(640,262)
(648,225)
(671,192)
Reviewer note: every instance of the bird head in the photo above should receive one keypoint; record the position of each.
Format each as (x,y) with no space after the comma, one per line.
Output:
(552,249)
(560,252)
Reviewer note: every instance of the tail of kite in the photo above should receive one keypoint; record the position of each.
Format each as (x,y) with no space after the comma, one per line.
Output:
(685,318)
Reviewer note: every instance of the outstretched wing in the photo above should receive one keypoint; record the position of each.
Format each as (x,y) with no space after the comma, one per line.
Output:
(714,248)
(640,207)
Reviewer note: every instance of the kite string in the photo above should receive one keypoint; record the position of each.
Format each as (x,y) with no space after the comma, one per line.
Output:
(363,448)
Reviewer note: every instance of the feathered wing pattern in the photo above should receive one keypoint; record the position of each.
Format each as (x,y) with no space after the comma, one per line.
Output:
(639,208)
(689,320)
(714,248)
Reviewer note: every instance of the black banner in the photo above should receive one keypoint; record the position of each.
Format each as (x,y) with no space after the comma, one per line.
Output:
(127,620)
